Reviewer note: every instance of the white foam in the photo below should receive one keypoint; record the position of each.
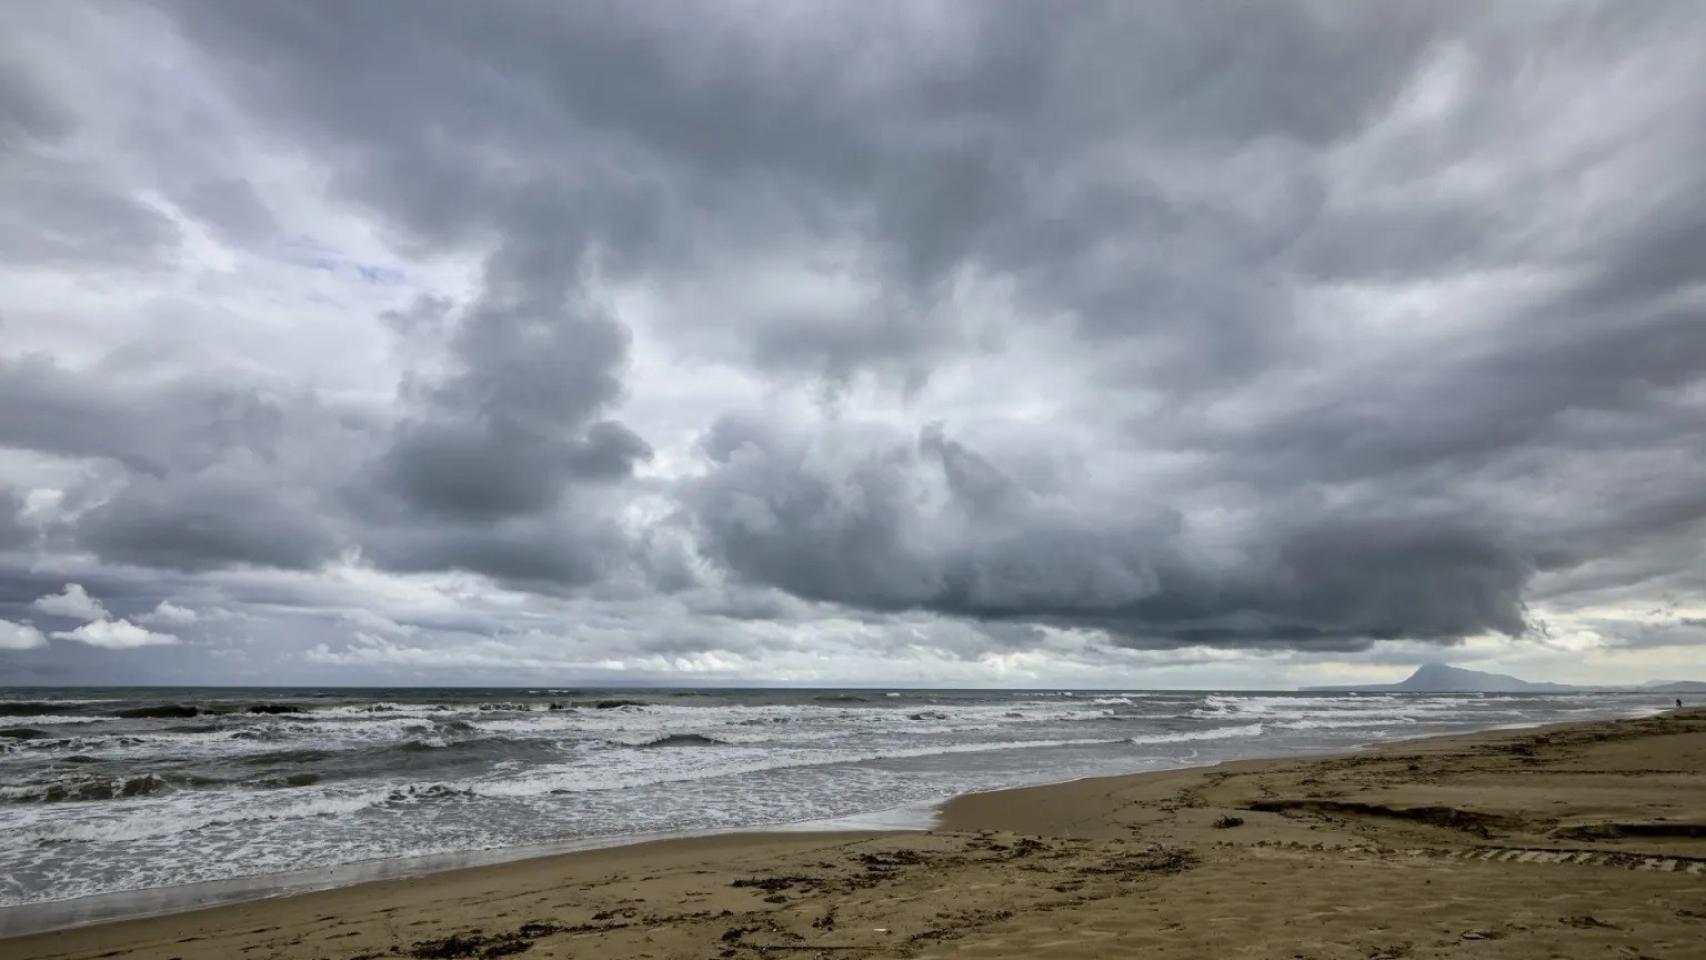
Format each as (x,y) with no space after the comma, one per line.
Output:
(52,720)
(702,763)
(1223,733)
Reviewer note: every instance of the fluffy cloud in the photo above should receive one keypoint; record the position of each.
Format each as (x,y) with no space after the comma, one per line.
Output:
(74,602)
(19,636)
(170,614)
(116,635)
(101,629)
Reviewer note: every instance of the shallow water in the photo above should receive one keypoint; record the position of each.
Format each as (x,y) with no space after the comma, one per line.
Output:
(105,790)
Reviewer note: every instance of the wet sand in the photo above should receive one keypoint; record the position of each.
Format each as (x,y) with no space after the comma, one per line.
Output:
(1576,841)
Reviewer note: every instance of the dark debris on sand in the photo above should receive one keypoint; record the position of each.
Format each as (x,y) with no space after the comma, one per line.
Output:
(474,943)
(1154,860)
(779,884)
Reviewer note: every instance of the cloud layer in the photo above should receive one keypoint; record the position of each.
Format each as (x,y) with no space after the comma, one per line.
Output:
(1014,344)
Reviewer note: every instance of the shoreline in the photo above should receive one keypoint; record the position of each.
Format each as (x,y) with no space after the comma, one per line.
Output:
(155,902)
(151,902)
(1074,811)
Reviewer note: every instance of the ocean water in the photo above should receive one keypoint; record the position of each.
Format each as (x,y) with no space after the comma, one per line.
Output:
(105,790)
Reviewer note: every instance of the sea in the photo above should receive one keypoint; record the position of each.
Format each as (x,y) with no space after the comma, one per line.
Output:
(109,790)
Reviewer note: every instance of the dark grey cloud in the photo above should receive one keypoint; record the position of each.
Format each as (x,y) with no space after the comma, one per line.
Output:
(55,214)
(233,206)
(208,520)
(535,363)
(544,553)
(1303,325)
(974,149)
(14,533)
(58,210)
(186,423)
(27,113)
(482,474)
(194,473)
(933,526)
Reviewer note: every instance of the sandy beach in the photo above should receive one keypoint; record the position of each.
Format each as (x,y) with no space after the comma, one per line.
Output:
(1569,841)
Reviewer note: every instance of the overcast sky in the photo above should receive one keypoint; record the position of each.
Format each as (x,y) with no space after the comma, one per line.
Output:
(1139,344)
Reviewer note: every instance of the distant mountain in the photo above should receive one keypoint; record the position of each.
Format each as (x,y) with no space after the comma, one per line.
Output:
(1681,686)
(1439,678)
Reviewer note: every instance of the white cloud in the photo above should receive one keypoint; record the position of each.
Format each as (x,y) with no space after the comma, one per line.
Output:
(99,630)
(19,636)
(378,623)
(170,614)
(73,602)
(41,505)
(116,635)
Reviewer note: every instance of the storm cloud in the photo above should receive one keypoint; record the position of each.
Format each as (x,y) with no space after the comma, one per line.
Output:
(654,340)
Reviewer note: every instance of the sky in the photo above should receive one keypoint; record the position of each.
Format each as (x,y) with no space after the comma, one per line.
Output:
(957,344)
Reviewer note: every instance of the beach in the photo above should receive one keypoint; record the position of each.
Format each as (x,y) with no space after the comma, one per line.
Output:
(1571,840)
(142,799)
